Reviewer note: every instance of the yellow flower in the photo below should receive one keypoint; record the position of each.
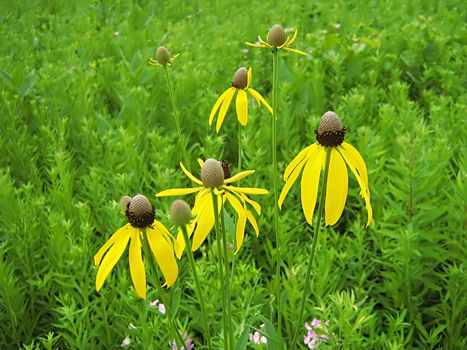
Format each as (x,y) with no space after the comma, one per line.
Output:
(241,85)
(276,40)
(140,215)
(311,160)
(163,57)
(216,179)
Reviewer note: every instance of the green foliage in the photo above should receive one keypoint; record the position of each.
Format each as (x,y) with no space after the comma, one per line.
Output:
(86,120)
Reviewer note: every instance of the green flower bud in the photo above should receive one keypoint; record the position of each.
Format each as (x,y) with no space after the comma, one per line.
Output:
(180,212)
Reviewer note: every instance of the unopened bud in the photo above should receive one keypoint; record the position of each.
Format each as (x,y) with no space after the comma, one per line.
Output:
(180,212)
(124,201)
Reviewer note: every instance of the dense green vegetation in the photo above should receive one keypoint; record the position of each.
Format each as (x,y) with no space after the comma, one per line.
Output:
(85,120)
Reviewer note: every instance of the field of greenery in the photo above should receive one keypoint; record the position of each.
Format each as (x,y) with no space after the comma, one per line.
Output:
(85,120)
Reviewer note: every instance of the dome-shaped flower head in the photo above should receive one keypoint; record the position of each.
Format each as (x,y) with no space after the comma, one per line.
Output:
(311,161)
(141,225)
(216,179)
(163,57)
(277,40)
(240,85)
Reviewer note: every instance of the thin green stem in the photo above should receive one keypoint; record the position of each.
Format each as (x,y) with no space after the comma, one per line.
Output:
(239,137)
(220,269)
(316,229)
(227,280)
(147,251)
(181,141)
(197,283)
(275,71)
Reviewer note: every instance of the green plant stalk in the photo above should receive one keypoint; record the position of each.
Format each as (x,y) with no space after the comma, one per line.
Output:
(197,283)
(177,121)
(227,280)
(152,262)
(239,137)
(275,72)
(220,269)
(316,229)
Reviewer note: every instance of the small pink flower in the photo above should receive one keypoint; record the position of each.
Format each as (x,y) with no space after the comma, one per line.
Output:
(314,336)
(188,342)
(257,337)
(160,306)
(125,342)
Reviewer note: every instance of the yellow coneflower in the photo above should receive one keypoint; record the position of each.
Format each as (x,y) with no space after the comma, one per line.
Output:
(216,179)
(141,225)
(241,86)
(277,40)
(330,134)
(163,57)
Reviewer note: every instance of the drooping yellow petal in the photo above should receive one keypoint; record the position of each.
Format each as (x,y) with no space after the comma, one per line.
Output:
(260,99)
(254,45)
(238,176)
(138,274)
(115,237)
(217,105)
(300,157)
(163,251)
(253,222)
(291,180)
(111,258)
(241,105)
(336,188)
(295,51)
(254,204)
(310,182)
(291,41)
(263,42)
(178,191)
(364,189)
(200,202)
(205,222)
(190,175)
(240,230)
(250,75)
(247,190)
(241,221)
(224,107)
(235,203)
(200,162)
(358,161)
(286,42)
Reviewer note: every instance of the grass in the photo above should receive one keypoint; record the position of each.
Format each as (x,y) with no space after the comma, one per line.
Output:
(86,120)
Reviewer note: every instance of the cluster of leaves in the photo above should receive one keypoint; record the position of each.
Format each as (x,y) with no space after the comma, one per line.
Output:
(85,120)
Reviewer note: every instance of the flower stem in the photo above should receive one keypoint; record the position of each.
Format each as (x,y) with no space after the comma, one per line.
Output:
(316,229)
(181,141)
(198,285)
(220,269)
(147,251)
(239,134)
(275,71)
(227,280)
